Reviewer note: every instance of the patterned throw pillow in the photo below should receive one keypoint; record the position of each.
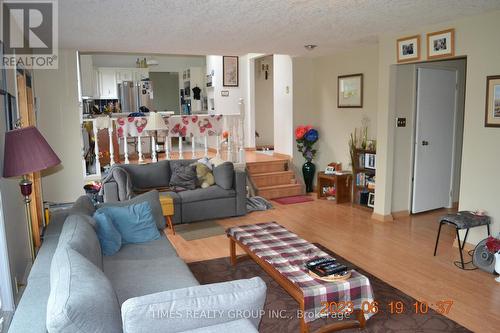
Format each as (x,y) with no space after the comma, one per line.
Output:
(183,176)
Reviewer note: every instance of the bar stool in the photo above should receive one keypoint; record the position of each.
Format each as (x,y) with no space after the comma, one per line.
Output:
(463,220)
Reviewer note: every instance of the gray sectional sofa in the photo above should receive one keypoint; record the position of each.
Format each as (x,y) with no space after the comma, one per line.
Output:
(144,287)
(224,199)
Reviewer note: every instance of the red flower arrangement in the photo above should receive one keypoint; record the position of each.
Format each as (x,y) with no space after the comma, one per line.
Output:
(493,244)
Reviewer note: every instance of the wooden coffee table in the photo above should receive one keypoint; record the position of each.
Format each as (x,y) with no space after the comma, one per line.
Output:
(293,290)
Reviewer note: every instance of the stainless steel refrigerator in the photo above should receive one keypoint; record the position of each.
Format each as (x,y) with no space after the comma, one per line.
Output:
(128,94)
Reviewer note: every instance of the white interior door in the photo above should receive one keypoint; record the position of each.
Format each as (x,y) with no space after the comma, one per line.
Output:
(434,139)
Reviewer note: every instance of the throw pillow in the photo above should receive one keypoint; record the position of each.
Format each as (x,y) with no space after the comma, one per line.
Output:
(152,197)
(183,176)
(204,175)
(109,238)
(135,222)
(224,174)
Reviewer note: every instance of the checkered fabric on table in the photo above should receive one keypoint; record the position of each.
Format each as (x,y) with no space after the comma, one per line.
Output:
(288,253)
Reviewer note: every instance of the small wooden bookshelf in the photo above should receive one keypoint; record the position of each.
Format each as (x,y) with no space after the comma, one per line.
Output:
(364,169)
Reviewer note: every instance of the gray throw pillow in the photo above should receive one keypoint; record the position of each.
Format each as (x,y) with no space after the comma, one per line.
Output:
(184,176)
(153,197)
(224,175)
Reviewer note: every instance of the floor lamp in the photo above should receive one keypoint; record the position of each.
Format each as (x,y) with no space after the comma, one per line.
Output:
(26,151)
(155,123)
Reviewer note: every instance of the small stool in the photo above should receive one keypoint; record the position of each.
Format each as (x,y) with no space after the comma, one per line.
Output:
(463,220)
(167,207)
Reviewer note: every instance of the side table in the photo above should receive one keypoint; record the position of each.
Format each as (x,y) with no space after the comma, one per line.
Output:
(167,207)
(341,182)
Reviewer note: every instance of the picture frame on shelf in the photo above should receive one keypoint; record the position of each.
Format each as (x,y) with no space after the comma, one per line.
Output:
(441,44)
(492,108)
(370,161)
(371,200)
(350,91)
(230,71)
(408,49)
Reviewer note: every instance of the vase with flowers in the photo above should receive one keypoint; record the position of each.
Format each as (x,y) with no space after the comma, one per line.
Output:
(306,137)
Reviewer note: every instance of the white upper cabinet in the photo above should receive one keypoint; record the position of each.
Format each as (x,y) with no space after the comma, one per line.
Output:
(88,77)
(107,83)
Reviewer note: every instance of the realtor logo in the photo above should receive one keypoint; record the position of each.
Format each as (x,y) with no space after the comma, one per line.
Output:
(29,33)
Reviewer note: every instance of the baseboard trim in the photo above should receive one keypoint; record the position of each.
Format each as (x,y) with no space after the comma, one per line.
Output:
(401,213)
(382,218)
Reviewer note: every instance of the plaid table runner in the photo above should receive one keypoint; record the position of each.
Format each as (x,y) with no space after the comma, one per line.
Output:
(288,253)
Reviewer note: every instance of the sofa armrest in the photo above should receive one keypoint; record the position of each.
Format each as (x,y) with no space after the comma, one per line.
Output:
(110,191)
(195,307)
(240,186)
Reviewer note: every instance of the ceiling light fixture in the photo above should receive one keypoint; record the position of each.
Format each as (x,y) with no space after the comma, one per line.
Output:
(310,47)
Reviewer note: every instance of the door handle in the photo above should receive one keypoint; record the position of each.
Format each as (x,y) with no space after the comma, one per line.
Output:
(425,143)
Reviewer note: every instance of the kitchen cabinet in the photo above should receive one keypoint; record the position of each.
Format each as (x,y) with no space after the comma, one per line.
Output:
(125,74)
(107,83)
(88,77)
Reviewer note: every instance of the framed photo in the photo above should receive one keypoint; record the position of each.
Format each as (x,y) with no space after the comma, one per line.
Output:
(408,48)
(370,161)
(441,44)
(492,116)
(371,200)
(11,108)
(230,71)
(350,91)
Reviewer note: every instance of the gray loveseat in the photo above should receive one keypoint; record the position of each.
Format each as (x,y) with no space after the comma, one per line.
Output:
(142,288)
(224,199)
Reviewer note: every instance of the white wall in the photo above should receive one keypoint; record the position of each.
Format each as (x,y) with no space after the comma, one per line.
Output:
(315,101)
(480,158)
(283,104)
(59,122)
(264,114)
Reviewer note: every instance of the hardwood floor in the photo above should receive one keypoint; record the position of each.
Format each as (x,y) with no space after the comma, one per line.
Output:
(399,252)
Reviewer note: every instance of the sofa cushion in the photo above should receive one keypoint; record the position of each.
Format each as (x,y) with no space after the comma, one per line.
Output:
(184,176)
(81,237)
(81,297)
(109,237)
(133,278)
(135,222)
(152,197)
(157,249)
(209,193)
(150,175)
(224,175)
(83,205)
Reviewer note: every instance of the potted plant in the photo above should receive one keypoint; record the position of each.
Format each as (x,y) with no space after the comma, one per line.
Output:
(306,137)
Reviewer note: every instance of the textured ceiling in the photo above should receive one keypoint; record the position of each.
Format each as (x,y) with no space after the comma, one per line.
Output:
(243,26)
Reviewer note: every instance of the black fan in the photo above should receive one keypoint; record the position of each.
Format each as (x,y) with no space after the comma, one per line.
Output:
(482,258)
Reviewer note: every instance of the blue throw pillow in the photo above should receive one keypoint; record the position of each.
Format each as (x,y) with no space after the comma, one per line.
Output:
(109,238)
(135,223)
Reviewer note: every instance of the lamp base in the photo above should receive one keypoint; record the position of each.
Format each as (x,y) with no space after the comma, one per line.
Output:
(26,188)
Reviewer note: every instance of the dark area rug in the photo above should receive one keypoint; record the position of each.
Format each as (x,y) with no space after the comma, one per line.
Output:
(219,270)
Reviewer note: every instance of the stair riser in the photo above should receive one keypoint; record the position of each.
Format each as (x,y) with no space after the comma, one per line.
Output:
(273,179)
(266,167)
(279,193)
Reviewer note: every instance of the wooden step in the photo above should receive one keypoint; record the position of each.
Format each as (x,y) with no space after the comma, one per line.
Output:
(279,191)
(273,178)
(267,166)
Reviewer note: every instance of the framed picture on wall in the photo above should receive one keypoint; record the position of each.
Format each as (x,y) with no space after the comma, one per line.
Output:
(492,116)
(441,44)
(408,48)
(230,71)
(350,91)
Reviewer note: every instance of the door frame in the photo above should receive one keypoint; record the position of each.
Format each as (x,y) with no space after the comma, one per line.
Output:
(414,133)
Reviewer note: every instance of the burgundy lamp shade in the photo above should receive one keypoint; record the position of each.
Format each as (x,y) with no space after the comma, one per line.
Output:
(27,151)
